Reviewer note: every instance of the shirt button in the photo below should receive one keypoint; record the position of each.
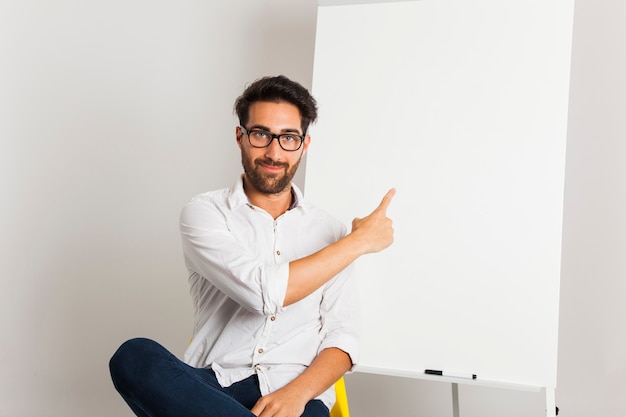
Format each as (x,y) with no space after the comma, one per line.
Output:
(278,252)
(273,318)
(261,350)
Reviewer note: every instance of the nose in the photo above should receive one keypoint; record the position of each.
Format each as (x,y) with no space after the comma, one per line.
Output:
(273,150)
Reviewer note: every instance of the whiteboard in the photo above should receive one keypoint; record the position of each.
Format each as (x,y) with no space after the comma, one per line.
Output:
(462,107)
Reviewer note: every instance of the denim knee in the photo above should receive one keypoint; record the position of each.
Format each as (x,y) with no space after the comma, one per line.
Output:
(129,361)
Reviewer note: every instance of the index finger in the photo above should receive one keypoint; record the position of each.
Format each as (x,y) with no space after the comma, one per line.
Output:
(384,204)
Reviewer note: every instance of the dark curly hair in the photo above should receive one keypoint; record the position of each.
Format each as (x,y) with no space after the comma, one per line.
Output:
(276,89)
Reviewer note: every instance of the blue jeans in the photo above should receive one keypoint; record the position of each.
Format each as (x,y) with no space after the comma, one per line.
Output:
(154,383)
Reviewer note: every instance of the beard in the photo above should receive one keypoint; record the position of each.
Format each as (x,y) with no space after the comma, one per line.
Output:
(268,183)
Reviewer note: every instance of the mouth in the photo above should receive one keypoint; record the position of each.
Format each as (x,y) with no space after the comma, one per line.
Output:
(271,167)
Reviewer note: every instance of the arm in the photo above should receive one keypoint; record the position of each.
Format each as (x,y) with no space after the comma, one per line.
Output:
(369,234)
(289,401)
(339,310)
(212,251)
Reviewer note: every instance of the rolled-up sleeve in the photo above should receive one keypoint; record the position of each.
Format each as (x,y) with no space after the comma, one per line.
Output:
(340,312)
(215,252)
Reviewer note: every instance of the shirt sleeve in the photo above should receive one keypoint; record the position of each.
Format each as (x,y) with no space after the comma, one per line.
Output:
(341,315)
(211,250)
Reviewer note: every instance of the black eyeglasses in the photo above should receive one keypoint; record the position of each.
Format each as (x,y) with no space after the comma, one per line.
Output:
(262,139)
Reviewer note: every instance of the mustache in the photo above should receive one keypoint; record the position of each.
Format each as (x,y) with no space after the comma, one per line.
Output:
(271,162)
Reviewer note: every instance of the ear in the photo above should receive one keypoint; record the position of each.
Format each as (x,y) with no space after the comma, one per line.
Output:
(305,145)
(238,135)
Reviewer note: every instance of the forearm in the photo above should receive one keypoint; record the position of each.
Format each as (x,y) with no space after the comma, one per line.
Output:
(369,234)
(330,365)
(326,369)
(308,274)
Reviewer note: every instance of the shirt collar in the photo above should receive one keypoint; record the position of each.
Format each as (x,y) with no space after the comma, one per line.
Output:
(238,197)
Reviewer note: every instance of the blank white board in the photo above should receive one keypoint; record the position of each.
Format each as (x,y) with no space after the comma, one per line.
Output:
(462,107)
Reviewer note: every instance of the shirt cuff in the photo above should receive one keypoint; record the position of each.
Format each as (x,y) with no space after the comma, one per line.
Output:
(274,280)
(346,343)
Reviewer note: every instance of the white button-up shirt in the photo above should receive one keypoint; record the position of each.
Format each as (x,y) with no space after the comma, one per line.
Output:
(238,257)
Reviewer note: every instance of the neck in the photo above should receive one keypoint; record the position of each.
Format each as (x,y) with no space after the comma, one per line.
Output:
(274,204)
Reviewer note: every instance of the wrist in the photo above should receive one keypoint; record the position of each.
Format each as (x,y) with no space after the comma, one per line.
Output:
(356,244)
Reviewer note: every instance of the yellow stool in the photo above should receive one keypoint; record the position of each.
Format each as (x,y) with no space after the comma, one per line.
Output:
(340,409)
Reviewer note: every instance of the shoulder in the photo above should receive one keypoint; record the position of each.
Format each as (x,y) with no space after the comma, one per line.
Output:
(211,197)
(232,197)
(317,215)
(223,198)
(215,198)
(207,204)
(320,219)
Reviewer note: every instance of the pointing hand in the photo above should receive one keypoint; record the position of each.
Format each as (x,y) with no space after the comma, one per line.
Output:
(375,232)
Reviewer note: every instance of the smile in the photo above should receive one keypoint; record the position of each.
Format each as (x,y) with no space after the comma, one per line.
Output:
(269,167)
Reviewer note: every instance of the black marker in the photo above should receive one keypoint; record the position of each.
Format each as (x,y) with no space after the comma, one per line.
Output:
(450,374)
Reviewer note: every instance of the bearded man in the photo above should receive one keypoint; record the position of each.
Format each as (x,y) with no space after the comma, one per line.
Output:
(276,308)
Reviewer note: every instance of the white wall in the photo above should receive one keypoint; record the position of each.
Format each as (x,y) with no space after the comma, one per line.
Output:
(592,364)
(113,114)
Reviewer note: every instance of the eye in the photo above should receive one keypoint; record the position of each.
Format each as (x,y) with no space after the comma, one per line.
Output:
(288,138)
(260,134)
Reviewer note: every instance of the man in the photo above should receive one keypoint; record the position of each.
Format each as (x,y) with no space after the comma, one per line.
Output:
(276,312)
